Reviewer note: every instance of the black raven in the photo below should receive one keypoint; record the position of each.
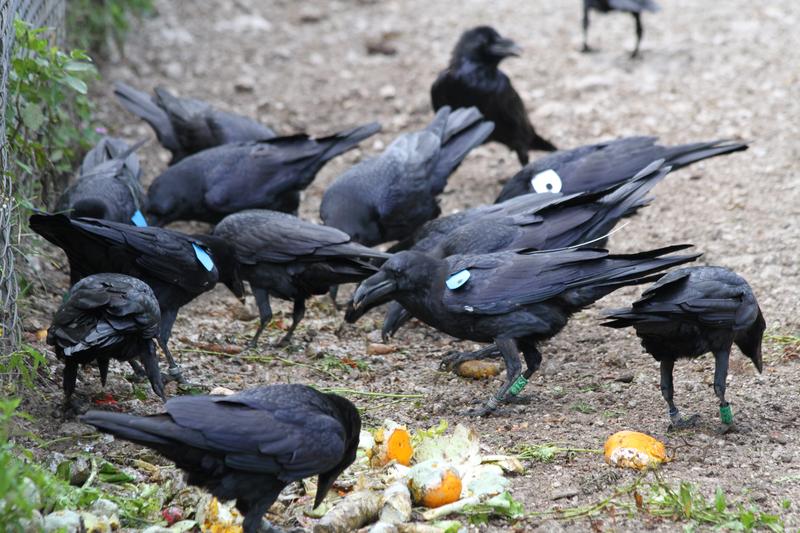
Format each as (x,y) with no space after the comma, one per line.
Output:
(514,300)
(690,312)
(185,126)
(534,221)
(250,445)
(107,185)
(270,174)
(178,267)
(473,79)
(106,316)
(634,7)
(389,196)
(598,166)
(281,255)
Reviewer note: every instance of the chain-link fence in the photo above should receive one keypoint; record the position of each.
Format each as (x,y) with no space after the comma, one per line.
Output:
(49,13)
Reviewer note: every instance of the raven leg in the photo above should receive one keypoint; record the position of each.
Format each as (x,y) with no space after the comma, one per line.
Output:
(585,48)
(533,360)
(150,361)
(510,352)
(69,379)
(168,317)
(667,391)
(333,291)
(639,31)
(254,514)
(138,372)
(452,360)
(298,312)
(720,377)
(264,313)
(102,364)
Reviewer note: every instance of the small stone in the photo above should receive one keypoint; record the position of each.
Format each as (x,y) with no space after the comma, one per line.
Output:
(79,471)
(63,521)
(31,492)
(95,524)
(34,524)
(387,92)
(173,70)
(625,378)
(221,391)
(778,437)
(104,507)
(75,429)
(244,84)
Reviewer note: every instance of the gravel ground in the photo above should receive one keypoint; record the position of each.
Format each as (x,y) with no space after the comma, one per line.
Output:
(708,70)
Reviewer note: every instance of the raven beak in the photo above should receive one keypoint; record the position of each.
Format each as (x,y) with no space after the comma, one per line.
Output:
(373,291)
(324,484)
(504,48)
(758,361)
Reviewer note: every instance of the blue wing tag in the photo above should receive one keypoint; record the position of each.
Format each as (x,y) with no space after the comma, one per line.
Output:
(457,280)
(138,219)
(203,257)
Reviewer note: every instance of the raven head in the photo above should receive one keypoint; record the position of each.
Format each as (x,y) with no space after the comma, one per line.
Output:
(484,45)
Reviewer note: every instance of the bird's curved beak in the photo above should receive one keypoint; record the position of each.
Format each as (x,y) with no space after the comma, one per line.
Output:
(758,361)
(374,290)
(504,48)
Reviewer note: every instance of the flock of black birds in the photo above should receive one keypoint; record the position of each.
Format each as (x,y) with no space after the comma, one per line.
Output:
(509,274)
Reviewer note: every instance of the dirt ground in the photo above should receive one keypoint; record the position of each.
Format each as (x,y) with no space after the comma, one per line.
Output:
(708,70)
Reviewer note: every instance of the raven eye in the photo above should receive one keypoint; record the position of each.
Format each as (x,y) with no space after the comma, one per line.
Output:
(547,181)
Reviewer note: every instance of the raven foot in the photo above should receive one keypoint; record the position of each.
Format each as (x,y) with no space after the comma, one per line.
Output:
(681,422)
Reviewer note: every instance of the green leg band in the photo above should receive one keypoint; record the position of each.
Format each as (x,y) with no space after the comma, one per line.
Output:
(726,415)
(518,385)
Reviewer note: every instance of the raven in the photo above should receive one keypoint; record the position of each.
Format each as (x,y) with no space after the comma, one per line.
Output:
(178,267)
(634,7)
(514,300)
(106,316)
(250,445)
(690,312)
(269,174)
(532,222)
(387,197)
(598,166)
(107,185)
(473,79)
(284,256)
(185,126)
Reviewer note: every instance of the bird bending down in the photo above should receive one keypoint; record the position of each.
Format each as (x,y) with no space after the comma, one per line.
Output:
(284,256)
(473,79)
(178,267)
(634,7)
(514,300)
(185,126)
(596,167)
(104,317)
(250,445)
(690,312)
(270,174)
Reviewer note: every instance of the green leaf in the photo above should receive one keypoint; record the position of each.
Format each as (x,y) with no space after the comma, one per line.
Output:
(32,117)
(77,84)
(79,66)
(719,501)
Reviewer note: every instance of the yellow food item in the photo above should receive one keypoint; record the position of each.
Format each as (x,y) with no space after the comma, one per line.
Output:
(478,369)
(434,484)
(631,449)
(392,443)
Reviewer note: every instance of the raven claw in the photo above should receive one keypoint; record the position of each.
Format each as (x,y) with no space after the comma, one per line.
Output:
(681,422)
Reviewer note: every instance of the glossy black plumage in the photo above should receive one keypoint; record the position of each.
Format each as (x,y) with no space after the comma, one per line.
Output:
(634,7)
(387,197)
(185,126)
(599,166)
(108,184)
(690,312)
(166,260)
(106,316)
(514,300)
(473,79)
(283,256)
(534,221)
(250,445)
(270,174)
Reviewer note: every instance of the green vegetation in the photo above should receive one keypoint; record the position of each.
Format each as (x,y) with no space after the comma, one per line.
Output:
(97,24)
(21,367)
(546,453)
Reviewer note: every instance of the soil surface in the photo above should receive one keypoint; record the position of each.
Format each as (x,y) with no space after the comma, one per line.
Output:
(708,70)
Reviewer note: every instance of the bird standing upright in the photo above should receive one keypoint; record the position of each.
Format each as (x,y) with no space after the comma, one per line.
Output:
(473,79)
(514,300)
(634,7)
(250,445)
(106,316)
(690,312)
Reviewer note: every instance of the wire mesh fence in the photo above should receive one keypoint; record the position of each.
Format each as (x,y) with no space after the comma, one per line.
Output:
(40,13)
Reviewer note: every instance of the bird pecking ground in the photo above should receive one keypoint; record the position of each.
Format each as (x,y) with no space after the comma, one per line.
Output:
(708,70)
